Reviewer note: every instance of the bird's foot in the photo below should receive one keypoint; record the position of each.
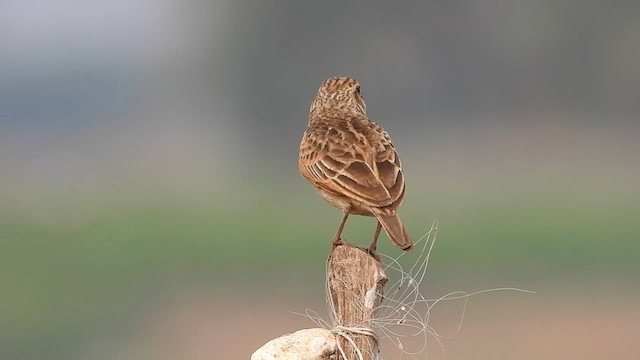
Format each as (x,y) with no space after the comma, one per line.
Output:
(339,241)
(372,252)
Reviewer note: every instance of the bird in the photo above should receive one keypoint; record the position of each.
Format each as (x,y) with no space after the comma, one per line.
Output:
(351,161)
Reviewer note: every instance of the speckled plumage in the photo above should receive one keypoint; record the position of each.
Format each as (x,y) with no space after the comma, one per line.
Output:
(351,161)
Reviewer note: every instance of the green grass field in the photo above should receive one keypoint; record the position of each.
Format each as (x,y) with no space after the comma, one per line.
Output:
(69,269)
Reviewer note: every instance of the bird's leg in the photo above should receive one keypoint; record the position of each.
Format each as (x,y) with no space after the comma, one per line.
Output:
(337,239)
(374,243)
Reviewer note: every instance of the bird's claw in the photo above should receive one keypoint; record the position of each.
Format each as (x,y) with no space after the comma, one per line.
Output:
(339,241)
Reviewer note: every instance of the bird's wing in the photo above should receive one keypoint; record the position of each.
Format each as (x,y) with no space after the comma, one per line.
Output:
(368,174)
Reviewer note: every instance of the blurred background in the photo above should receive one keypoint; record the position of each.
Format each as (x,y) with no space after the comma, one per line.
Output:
(150,202)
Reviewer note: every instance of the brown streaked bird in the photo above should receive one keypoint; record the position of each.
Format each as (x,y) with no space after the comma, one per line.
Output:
(351,161)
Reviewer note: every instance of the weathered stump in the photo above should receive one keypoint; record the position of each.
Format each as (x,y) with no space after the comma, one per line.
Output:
(356,281)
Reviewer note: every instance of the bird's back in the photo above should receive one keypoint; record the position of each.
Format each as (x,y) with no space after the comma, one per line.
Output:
(350,155)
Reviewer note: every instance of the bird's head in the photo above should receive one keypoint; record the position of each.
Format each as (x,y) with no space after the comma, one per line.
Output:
(339,94)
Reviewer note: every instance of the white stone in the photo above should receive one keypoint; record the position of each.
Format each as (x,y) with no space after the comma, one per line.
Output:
(309,344)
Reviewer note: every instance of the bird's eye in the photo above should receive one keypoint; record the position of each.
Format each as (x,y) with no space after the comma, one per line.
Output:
(358,89)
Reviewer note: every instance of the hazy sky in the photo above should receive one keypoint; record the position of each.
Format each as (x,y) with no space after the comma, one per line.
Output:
(226,85)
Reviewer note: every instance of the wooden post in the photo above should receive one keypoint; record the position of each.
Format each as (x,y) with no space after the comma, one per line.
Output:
(355,284)
(356,281)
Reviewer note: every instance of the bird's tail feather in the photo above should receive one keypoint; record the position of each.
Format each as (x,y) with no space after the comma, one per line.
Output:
(393,226)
